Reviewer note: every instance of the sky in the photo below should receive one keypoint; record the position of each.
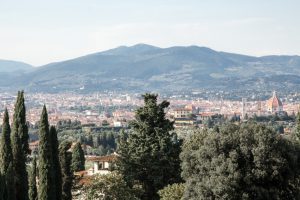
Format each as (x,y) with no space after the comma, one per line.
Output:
(43,31)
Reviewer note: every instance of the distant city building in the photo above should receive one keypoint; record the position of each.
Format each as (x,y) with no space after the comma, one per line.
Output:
(274,104)
(259,111)
(184,112)
(243,108)
(185,116)
(204,116)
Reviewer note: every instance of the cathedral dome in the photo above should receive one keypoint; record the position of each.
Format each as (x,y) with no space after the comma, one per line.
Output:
(274,104)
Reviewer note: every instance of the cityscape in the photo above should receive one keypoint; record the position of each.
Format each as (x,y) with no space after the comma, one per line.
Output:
(149,100)
(117,110)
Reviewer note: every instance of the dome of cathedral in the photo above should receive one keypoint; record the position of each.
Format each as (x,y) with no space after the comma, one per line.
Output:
(274,103)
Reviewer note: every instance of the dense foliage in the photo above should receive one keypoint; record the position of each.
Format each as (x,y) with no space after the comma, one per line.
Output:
(6,162)
(248,161)
(46,189)
(20,148)
(56,164)
(96,142)
(45,180)
(65,158)
(78,160)
(172,192)
(110,187)
(150,155)
(33,195)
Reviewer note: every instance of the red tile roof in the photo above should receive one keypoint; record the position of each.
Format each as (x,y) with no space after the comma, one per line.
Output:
(108,158)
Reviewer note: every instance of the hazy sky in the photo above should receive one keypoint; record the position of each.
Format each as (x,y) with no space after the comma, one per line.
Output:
(43,31)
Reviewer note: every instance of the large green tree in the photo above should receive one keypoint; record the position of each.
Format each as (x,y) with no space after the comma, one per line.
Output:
(108,187)
(33,195)
(56,163)
(6,160)
(20,149)
(46,189)
(249,161)
(150,155)
(78,160)
(65,159)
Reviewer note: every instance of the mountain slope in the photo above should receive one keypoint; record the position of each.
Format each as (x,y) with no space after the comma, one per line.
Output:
(145,67)
(12,66)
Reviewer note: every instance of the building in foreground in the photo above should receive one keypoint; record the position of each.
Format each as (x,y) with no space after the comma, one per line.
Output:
(101,164)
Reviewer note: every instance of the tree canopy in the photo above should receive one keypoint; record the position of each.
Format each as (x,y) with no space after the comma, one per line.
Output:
(109,187)
(150,155)
(172,192)
(249,161)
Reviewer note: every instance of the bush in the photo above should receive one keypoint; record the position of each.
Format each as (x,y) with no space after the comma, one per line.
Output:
(172,192)
(110,187)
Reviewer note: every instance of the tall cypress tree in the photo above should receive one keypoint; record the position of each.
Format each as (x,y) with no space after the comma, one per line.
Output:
(78,159)
(56,164)
(19,139)
(65,162)
(24,133)
(32,182)
(150,155)
(46,189)
(6,159)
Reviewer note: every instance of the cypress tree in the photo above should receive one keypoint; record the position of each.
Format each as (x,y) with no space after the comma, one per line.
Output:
(6,151)
(19,139)
(56,164)
(6,159)
(23,134)
(78,159)
(32,182)
(46,189)
(65,162)
(150,155)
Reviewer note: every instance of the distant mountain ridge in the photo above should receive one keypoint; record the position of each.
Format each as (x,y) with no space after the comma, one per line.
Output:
(144,67)
(12,66)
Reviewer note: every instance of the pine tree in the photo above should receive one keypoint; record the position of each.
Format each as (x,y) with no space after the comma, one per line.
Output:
(32,182)
(19,139)
(65,162)
(56,164)
(6,159)
(46,189)
(78,160)
(150,155)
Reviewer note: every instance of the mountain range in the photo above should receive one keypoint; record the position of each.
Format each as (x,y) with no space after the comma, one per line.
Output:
(14,66)
(144,67)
